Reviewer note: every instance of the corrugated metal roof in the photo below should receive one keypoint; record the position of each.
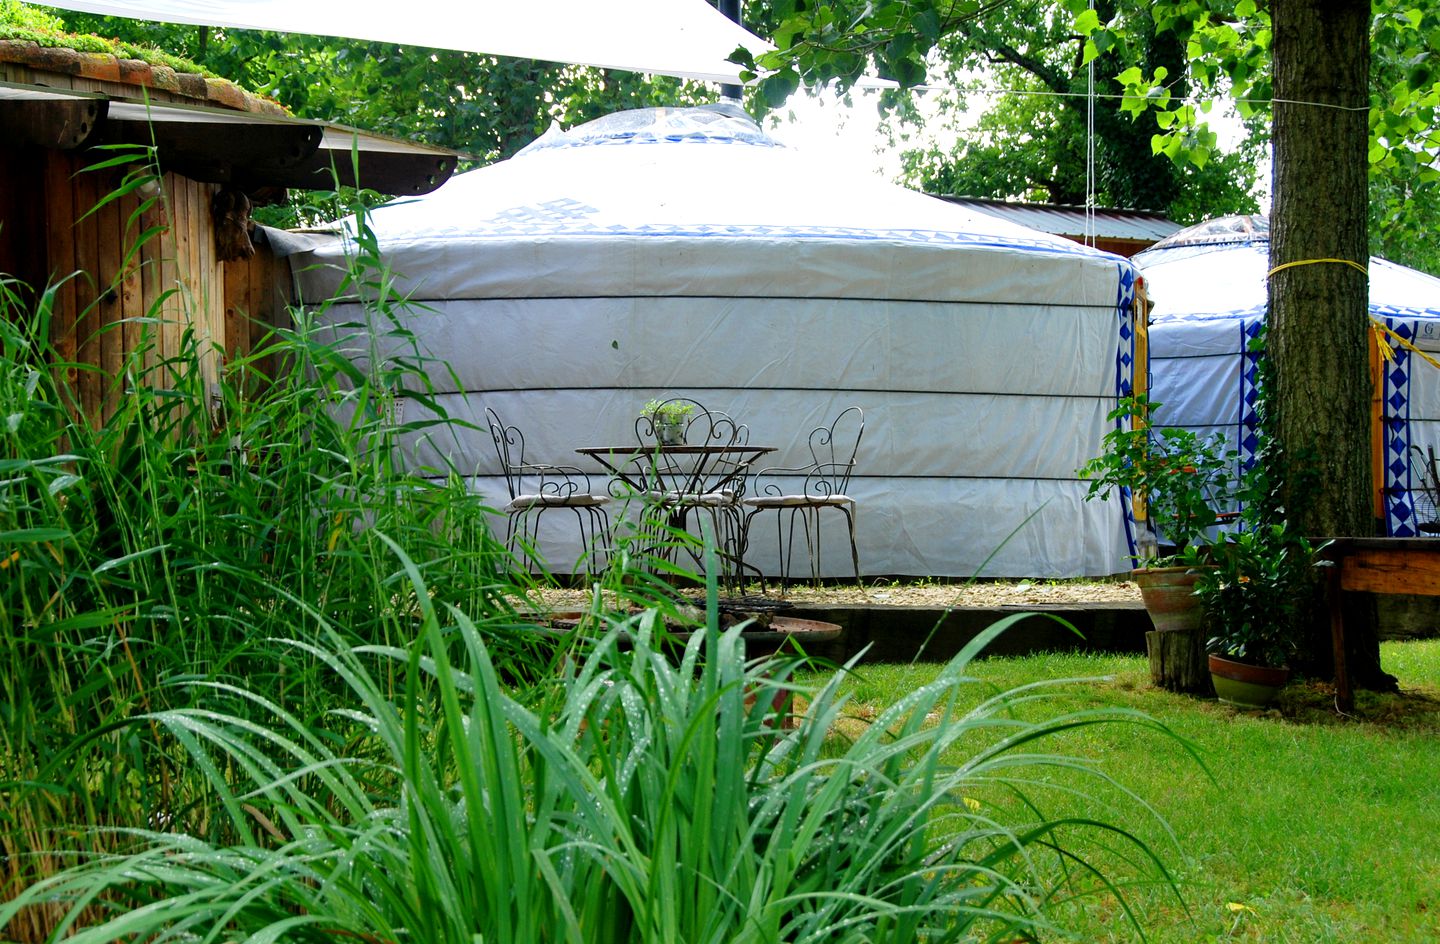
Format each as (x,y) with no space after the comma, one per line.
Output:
(1138,225)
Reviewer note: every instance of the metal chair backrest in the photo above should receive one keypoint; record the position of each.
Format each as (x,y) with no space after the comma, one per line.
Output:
(509,448)
(551,481)
(834,448)
(697,426)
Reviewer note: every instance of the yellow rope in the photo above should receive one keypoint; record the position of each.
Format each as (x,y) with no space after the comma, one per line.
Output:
(1388,352)
(1299,262)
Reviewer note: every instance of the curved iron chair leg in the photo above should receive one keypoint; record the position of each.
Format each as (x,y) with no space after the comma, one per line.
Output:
(530,534)
(580,526)
(593,522)
(739,535)
(812,542)
(599,530)
(745,521)
(788,566)
(849,513)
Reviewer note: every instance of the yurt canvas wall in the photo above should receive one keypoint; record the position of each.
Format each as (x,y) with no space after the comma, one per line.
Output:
(685,253)
(1208,300)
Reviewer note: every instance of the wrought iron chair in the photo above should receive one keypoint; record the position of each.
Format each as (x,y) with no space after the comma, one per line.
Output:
(822,484)
(535,488)
(686,467)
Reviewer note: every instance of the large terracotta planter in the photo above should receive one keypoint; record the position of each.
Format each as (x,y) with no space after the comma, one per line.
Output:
(1169,595)
(1249,686)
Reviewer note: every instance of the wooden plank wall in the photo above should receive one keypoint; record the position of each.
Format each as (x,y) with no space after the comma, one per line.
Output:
(112,318)
(258,293)
(106,319)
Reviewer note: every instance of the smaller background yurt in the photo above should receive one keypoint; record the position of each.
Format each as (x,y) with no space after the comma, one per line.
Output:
(1207,289)
(683,252)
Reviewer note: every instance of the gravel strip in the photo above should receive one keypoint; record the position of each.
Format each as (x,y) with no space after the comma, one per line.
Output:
(989,593)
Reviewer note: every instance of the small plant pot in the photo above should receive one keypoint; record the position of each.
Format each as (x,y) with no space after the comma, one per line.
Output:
(1248,686)
(670,434)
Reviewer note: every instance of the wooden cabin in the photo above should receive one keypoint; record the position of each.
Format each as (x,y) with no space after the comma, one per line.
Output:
(219,150)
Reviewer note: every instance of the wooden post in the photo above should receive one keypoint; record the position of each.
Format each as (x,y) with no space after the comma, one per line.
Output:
(1377,425)
(1344,697)
(1140,383)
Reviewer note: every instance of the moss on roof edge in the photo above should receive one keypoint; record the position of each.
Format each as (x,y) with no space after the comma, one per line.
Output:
(105,60)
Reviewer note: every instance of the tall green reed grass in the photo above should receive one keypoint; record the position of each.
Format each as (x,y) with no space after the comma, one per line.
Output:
(639,797)
(147,549)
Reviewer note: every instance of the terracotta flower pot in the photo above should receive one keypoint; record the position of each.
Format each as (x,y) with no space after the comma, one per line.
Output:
(1169,595)
(1249,686)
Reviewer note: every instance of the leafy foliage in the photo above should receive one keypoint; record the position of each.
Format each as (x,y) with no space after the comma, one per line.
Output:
(1405,134)
(146,550)
(1034,51)
(1223,51)
(1253,594)
(1184,480)
(1228,52)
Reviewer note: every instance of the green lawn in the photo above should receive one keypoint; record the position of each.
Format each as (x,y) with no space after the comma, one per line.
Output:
(1307,827)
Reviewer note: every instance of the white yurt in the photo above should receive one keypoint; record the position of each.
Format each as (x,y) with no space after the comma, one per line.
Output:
(1207,290)
(683,252)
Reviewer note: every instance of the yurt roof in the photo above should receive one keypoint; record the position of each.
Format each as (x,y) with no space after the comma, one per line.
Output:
(1217,269)
(678,179)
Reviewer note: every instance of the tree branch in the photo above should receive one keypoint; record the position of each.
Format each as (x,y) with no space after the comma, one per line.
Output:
(996,51)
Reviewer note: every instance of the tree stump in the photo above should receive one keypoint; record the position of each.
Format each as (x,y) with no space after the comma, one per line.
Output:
(1178,661)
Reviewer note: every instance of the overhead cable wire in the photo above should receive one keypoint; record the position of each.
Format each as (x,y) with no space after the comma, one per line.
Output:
(1188,99)
(1090,181)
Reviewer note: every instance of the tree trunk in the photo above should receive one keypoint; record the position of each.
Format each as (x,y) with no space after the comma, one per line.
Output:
(1178,661)
(1318,402)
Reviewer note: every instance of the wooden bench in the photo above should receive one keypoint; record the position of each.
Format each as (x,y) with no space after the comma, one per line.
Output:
(1375,565)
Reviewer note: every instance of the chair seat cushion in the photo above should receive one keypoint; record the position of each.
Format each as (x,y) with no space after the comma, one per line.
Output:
(524,502)
(799,501)
(705,499)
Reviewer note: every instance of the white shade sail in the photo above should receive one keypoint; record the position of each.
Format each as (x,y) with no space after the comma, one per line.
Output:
(685,38)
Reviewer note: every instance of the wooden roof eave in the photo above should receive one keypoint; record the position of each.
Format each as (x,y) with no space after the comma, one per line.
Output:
(242,149)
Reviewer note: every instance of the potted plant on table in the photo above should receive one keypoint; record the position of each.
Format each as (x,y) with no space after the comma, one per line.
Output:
(1250,598)
(1183,482)
(668,418)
